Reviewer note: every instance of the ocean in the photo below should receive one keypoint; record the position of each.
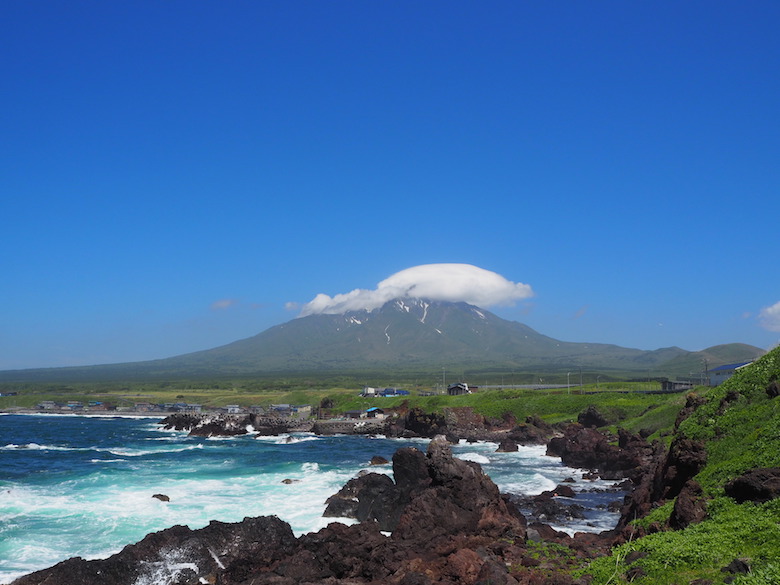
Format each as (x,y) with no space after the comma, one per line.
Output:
(83,485)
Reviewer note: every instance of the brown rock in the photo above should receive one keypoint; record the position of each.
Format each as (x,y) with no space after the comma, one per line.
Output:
(592,418)
(757,485)
(690,507)
(507,446)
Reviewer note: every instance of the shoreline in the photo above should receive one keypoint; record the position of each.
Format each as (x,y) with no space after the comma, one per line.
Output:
(92,414)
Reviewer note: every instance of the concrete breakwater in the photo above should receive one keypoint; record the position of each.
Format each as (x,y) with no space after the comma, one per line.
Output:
(349,427)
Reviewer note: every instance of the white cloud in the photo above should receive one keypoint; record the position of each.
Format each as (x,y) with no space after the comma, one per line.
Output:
(769,317)
(438,282)
(223,304)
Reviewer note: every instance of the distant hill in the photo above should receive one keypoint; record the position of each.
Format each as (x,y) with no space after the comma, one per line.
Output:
(408,335)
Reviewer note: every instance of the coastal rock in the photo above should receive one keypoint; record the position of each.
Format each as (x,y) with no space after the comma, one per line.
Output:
(423,424)
(685,459)
(178,555)
(378,460)
(662,478)
(459,499)
(592,418)
(757,485)
(369,497)
(534,431)
(690,507)
(692,402)
(229,425)
(433,495)
(161,497)
(221,426)
(589,448)
(507,446)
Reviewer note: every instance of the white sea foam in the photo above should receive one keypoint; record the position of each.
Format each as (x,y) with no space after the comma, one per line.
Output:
(37,447)
(142,452)
(168,570)
(475,457)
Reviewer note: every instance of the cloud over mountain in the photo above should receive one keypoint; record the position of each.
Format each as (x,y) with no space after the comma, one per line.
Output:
(439,282)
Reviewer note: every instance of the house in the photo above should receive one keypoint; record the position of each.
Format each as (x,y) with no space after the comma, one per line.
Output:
(676,385)
(458,389)
(375,412)
(368,391)
(280,410)
(354,414)
(256,409)
(233,409)
(390,392)
(301,410)
(722,373)
(47,405)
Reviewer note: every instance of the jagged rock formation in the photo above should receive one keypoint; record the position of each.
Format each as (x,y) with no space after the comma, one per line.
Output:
(588,448)
(450,526)
(229,425)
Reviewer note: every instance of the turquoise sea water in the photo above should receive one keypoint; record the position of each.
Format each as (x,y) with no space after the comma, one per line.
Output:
(83,486)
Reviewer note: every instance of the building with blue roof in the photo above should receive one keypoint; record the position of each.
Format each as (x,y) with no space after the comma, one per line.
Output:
(722,373)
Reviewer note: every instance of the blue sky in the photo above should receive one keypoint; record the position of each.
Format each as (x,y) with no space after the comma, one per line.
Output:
(177,175)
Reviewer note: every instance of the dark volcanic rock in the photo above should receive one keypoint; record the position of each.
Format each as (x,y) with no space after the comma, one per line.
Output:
(592,418)
(757,485)
(177,555)
(663,478)
(507,446)
(690,507)
(534,431)
(423,424)
(773,389)
(685,459)
(692,402)
(433,495)
(372,496)
(591,449)
(228,425)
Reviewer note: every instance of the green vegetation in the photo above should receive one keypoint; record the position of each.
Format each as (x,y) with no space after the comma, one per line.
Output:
(740,425)
(625,404)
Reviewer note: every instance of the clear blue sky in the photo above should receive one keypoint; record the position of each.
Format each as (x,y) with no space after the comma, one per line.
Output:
(174,173)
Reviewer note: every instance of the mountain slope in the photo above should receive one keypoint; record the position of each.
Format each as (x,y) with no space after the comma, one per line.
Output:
(411,334)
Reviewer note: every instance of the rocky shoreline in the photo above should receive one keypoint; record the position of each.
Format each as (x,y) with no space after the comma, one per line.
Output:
(440,520)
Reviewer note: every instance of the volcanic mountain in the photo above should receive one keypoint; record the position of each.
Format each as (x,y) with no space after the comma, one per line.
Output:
(411,335)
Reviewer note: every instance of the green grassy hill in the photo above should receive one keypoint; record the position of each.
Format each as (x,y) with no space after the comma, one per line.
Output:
(740,425)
